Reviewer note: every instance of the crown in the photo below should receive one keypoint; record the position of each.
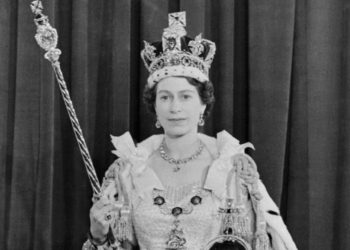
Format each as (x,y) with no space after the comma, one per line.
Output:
(178,54)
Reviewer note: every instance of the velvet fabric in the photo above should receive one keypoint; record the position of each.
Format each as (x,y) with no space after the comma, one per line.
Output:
(282,81)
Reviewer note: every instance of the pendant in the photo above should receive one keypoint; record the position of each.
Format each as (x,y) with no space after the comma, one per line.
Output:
(176,238)
(235,221)
(176,168)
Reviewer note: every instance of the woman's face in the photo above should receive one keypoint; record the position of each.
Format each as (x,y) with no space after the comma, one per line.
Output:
(178,106)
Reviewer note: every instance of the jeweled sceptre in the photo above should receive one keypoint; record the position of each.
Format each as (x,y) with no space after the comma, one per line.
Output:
(46,36)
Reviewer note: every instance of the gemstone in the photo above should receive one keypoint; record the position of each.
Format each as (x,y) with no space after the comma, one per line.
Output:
(196,200)
(176,211)
(159,200)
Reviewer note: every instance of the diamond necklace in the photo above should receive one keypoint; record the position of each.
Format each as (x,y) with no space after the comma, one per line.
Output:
(178,162)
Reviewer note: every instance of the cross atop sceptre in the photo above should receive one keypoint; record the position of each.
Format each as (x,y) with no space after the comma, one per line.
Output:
(37,7)
(177,19)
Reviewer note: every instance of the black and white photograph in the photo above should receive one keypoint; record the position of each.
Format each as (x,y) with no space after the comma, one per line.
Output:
(174,124)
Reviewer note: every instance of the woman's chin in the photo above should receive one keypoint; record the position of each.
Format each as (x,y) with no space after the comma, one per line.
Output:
(177,131)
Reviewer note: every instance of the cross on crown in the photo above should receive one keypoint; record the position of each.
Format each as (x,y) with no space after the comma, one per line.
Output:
(177,19)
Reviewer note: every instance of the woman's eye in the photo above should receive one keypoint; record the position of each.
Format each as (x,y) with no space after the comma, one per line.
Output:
(164,97)
(186,97)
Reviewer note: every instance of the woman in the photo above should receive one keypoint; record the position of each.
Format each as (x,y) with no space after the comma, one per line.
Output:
(183,189)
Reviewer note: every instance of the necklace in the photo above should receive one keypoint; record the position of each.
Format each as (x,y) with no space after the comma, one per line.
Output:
(179,162)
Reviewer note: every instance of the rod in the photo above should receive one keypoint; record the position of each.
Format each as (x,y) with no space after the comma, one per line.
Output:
(47,38)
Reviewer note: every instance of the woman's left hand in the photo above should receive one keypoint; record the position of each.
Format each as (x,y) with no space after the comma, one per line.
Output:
(246,168)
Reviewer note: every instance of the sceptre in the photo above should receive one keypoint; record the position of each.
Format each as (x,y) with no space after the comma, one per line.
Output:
(46,37)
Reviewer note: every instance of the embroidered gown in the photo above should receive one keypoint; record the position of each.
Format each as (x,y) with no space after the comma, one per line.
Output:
(192,216)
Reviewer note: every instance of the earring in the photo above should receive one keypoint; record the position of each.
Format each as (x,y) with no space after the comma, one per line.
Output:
(158,125)
(201,120)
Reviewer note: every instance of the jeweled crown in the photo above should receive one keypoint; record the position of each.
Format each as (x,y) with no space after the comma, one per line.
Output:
(178,54)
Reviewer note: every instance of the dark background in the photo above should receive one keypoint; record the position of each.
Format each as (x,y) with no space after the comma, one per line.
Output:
(281,76)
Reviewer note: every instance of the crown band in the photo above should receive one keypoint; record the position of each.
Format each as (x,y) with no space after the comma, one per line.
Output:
(175,59)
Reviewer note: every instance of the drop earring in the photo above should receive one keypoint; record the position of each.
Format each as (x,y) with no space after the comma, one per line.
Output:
(158,125)
(201,120)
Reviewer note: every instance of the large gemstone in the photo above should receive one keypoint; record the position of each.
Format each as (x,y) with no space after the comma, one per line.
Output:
(196,200)
(176,211)
(159,200)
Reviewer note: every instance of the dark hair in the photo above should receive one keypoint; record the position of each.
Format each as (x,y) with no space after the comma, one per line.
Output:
(205,91)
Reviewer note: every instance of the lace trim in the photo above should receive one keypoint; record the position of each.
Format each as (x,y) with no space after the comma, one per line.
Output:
(175,194)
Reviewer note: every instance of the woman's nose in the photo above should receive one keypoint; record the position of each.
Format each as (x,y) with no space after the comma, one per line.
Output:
(175,106)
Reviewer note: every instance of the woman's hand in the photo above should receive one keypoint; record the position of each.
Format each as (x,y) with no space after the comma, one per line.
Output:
(246,168)
(106,209)
(101,216)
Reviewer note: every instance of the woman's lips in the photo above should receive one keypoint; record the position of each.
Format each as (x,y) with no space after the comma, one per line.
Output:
(177,120)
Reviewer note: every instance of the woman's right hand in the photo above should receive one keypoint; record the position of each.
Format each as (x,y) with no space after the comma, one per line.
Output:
(105,210)
(101,216)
